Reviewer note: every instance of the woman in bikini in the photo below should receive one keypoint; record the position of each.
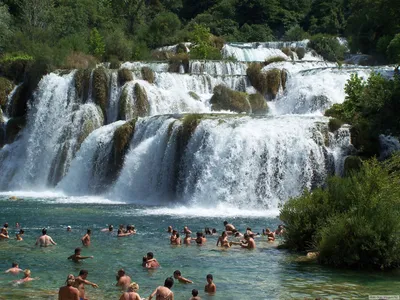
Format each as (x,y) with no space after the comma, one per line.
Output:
(164,292)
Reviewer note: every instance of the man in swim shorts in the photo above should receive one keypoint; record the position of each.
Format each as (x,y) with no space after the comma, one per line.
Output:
(210,287)
(80,282)
(44,240)
(86,238)
(76,257)
(178,275)
(14,269)
(123,280)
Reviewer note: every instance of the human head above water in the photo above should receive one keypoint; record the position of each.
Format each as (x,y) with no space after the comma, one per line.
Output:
(78,250)
(150,255)
(177,273)
(209,277)
(195,292)
(44,231)
(169,282)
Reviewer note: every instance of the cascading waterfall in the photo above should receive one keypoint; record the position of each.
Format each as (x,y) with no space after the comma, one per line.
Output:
(217,157)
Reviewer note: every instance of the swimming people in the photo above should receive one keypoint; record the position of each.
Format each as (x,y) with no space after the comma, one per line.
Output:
(178,275)
(69,229)
(169,230)
(123,280)
(4,234)
(27,277)
(223,240)
(18,237)
(269,234)
(131,293)
(186,230)
(151,262)
(200,239)
(68,292)
(80,282)
(86,238)
(164,292)
(248,242)
(109,229)
(44,240)
(280,230)
(229,228)
(120,233)
(14,269)
(76,257)
(195,294)
(210,287)
(172,239)
(188,239)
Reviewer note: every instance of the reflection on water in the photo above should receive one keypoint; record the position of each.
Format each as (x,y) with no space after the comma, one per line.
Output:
(265,273)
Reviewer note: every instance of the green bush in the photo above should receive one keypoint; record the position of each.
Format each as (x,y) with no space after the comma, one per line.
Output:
(226,99)
(393,49)
(118,45)
(301,52)
(353,222)
(328,47)
(258,104)
(334,124)
(295,33)
(273,59)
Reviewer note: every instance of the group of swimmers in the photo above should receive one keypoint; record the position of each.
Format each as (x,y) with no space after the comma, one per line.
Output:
(75,285)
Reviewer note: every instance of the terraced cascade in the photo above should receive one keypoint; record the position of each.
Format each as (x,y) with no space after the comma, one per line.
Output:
(191,132)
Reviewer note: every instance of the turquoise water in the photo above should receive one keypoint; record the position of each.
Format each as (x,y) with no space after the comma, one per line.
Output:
(264,273)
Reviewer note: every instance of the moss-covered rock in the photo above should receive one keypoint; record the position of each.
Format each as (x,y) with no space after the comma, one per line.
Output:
(301,52)
(124,75)
(284,76)
(258,104)
(194,96)
(148,74)
(142,105)
(189,125)
(273,60)
(19,101)
(100,89)
(257,79)
(352,164)
(125,109)
(227,99)
(15,69)
(288,52)
(178,60)
(334,124)
(274,82)
(6,86)
(87,128)
(121,140)
(13,127)
(82,84)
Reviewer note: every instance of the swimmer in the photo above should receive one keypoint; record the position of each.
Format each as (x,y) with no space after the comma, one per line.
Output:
(172,239)
(186,230)
(68,292)
(164,292)
(188,239)
(18,237)
(80,282)
(269,234)
(280,230)
(207,231)
(248,243)
(177,240)
(4,234)
(27,277)
(131,229)
(151,262)
(214,231)
(123,280)
(14,269)
(210,287)
(109,229)
(200,239)
(195,295)
(69,229)
(131,293)
(178,275)
(120,233)
(228,227)
(76,257)
(21,232)
(17,225)
(44,240)
(169,230)
(86,238)
(238,234)
(223,240)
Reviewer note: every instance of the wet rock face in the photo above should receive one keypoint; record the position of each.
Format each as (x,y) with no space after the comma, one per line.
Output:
(100,89)
(142,105)
(124,75)
(258,104)
(13,127)
(148,74)
(226,99)
(6,86)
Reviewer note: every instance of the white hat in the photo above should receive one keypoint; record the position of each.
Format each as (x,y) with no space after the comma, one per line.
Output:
(69,227)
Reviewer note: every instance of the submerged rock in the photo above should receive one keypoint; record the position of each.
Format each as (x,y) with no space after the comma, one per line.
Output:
(13,127)
(194,95)
(227,99)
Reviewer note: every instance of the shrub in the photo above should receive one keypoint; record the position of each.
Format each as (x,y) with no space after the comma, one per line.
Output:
(352,164)
(79,60)
(328,47)
(393,49)
(257,79)
(118,45)
(353,222)
(334,124)
(226,99)
(295,33)
(288,52)
(96,43)
(301,52)
(114,62)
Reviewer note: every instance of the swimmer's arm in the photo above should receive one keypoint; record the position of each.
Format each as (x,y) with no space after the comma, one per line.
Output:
(8,271)
(217,242)
(89,283)
(83,257)
(53,242)
(153,294)
(186,280)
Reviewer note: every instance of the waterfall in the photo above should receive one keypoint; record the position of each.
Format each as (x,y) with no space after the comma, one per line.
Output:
(179,150)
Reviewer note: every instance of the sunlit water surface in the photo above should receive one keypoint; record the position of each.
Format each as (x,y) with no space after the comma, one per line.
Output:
(265,273)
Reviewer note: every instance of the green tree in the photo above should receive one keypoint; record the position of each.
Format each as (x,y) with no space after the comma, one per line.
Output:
(393,49)
(200,36)
(163,29)
(96,43)
(5,26)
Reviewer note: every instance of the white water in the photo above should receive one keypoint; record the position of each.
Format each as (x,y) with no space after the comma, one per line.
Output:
(235,163)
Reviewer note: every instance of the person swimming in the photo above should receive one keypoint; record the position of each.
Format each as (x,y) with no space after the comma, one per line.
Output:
(223,240)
